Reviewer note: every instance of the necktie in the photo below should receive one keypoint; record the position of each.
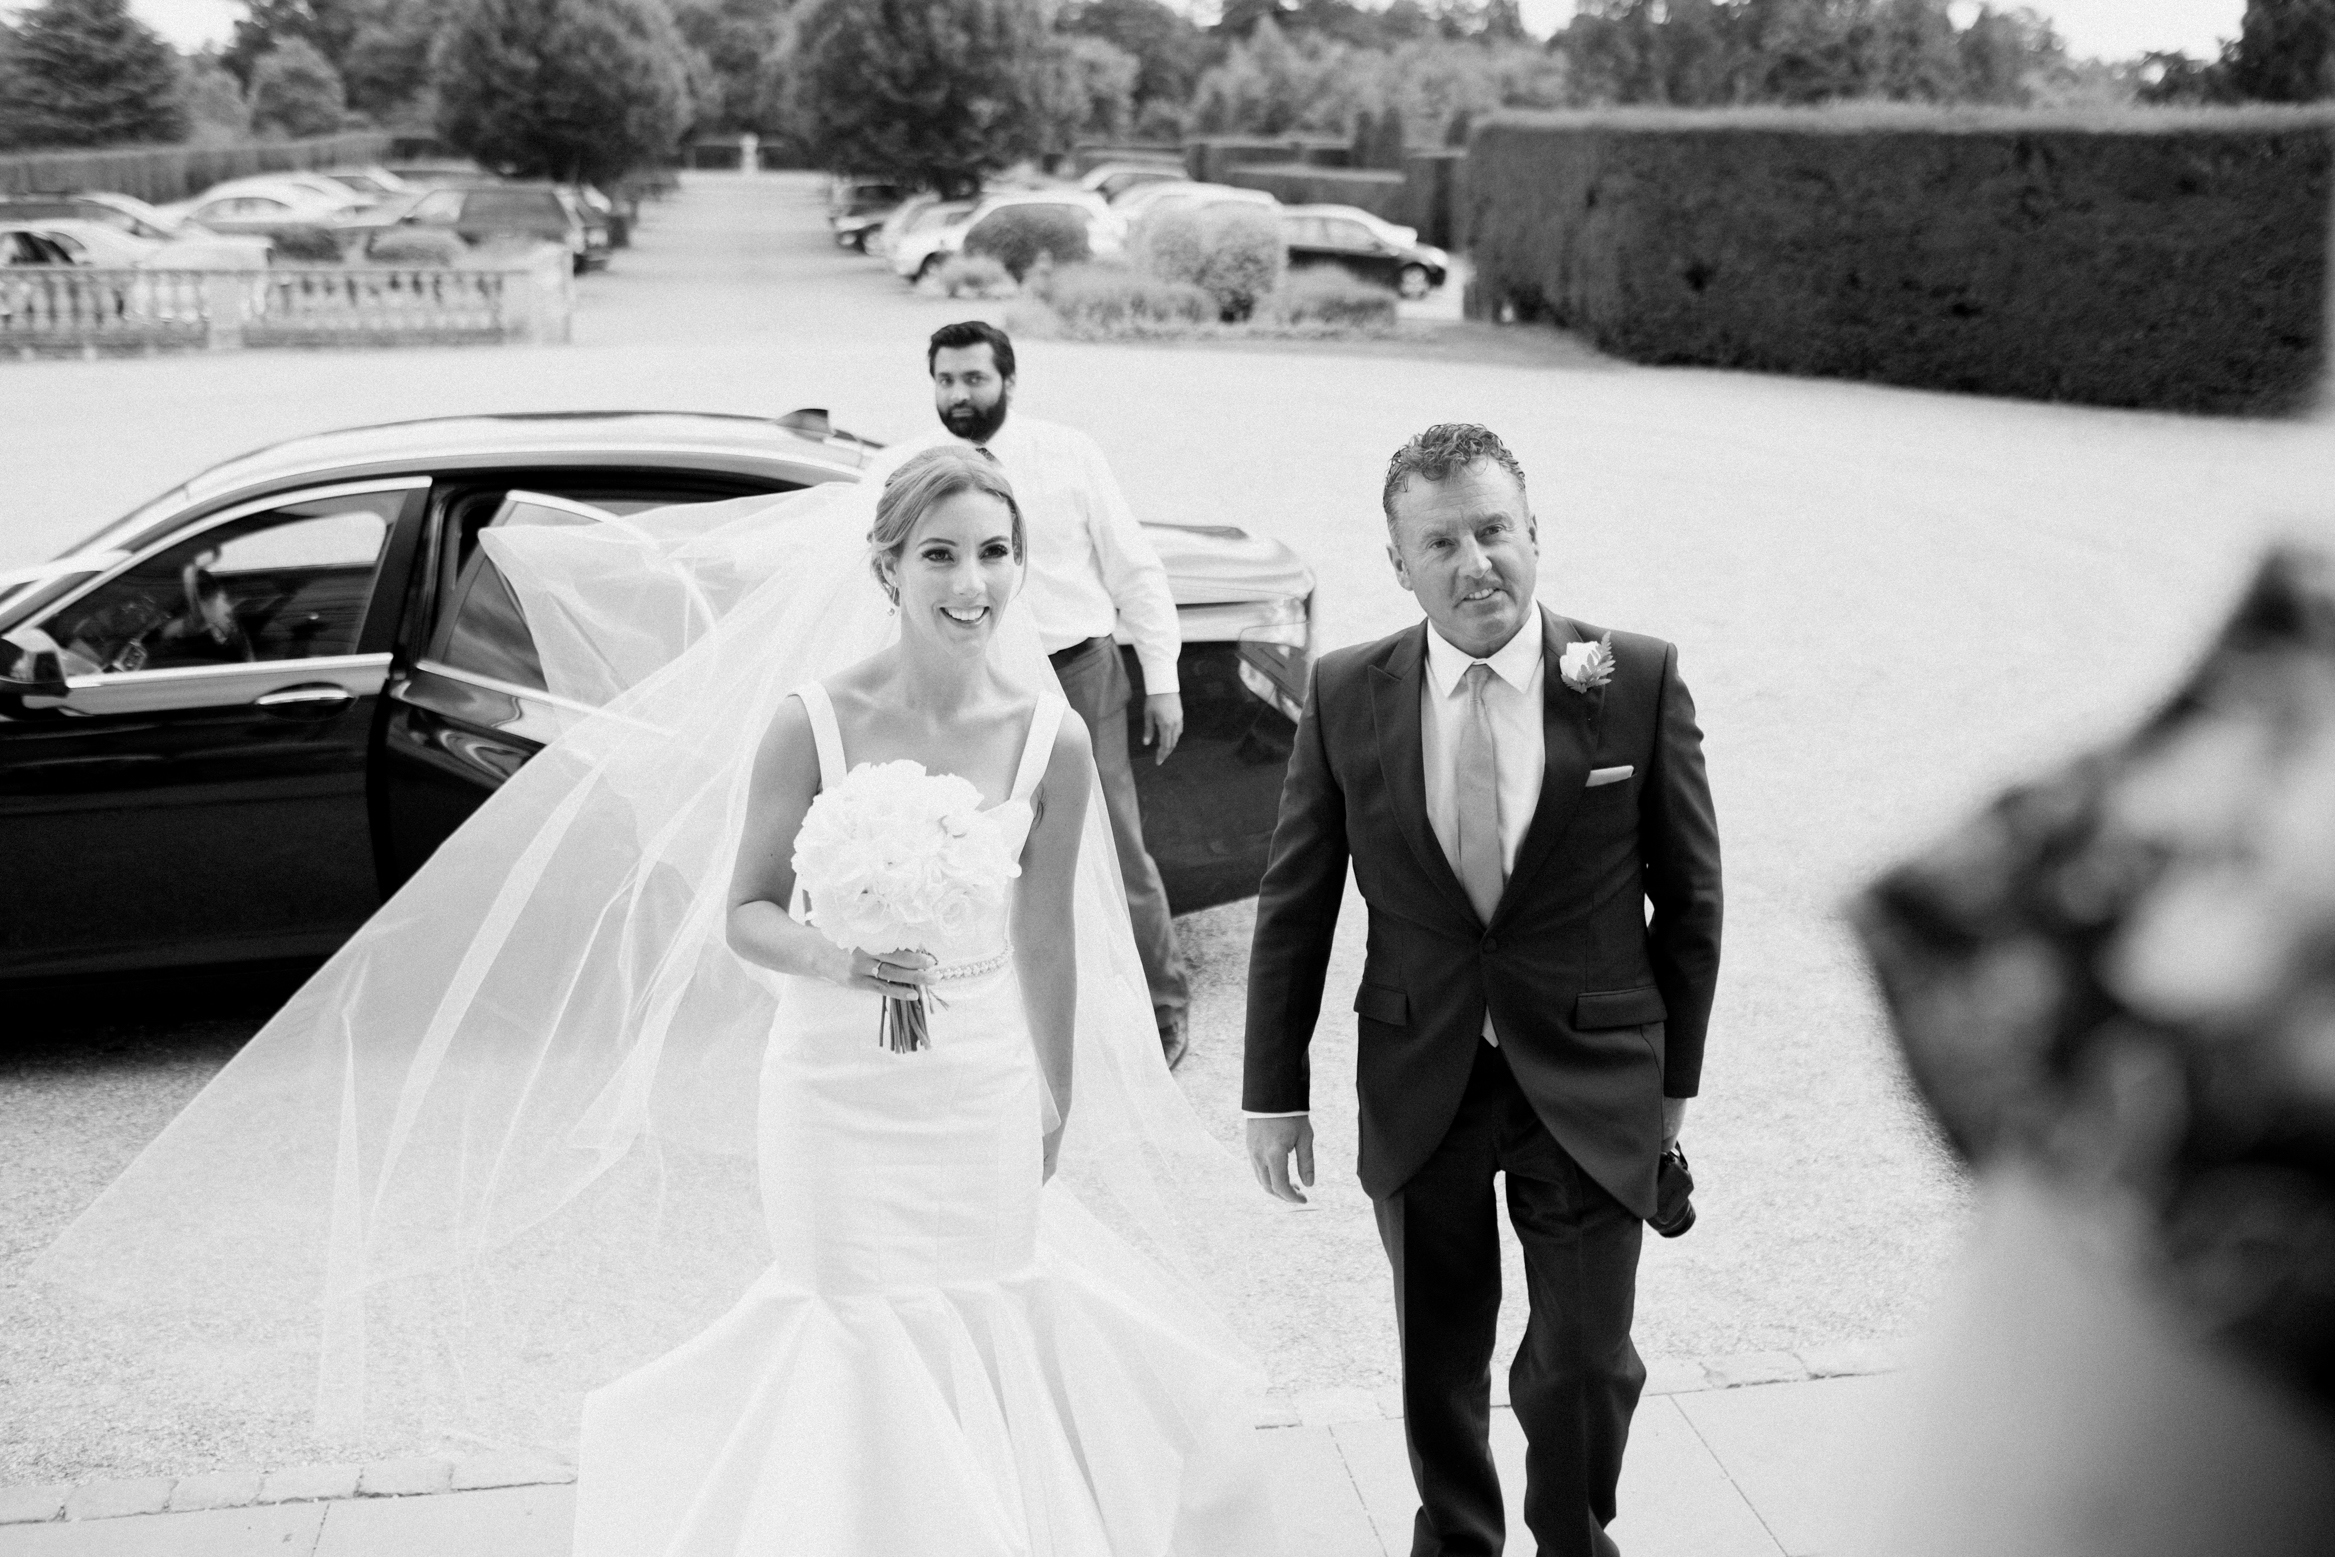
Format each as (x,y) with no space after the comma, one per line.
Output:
(1476,785)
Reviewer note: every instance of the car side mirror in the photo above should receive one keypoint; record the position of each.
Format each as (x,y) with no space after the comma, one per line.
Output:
(31,664)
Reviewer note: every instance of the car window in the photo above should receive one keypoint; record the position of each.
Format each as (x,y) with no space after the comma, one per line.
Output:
(75,251)
(513,205)
(292,583)
(1304,232)
(441,205)
(1343,234)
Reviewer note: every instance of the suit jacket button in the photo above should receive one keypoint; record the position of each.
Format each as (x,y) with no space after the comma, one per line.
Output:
(1491,943)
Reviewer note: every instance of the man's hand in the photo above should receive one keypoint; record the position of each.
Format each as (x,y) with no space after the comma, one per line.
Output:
(1163,722)
(1673,1116)
(1270,1143)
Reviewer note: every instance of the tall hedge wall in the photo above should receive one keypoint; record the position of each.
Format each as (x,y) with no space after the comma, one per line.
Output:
(1378,192)
(161,174)
(2176,260)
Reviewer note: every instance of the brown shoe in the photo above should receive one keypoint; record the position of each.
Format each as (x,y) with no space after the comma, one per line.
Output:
(1175,1037)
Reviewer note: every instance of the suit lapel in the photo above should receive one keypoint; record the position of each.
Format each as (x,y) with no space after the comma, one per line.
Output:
(1569,744)
(1395,689)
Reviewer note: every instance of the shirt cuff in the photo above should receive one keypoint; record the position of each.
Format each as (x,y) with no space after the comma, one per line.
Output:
(1159,673)
(1294,1114)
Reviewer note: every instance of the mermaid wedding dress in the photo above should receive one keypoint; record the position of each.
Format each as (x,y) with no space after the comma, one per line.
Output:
(921,1369)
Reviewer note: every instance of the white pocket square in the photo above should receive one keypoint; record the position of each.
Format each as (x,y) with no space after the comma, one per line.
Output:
(1599,776)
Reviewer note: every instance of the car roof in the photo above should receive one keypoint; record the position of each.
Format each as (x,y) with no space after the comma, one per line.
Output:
(746,445)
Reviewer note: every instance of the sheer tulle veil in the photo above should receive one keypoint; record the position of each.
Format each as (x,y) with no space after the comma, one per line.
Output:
(499,1150)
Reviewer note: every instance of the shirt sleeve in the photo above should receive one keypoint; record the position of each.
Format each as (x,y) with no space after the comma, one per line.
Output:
(1132,572)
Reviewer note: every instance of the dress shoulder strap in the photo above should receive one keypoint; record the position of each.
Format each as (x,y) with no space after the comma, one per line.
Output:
(825,732)
(1038,747)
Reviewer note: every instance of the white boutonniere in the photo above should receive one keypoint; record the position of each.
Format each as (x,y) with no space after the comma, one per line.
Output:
(1586,666)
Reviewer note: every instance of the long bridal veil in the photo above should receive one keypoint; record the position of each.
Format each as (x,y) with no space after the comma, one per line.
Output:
(499,1150)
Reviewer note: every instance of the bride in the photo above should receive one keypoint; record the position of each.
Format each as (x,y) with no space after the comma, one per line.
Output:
(504,1132)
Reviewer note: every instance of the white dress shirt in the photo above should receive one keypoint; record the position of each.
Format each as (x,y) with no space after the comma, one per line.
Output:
(1090,567)
(1519,748)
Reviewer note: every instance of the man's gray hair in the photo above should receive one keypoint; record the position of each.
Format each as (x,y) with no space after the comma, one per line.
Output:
(1441,452)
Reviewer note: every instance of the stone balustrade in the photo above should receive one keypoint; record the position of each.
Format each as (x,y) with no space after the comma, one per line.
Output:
(88,311)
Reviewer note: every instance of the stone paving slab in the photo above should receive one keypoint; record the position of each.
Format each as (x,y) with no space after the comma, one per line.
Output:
(508,1522)
(1676,1498)
(116,1499)
(1320,1507)
(277,1530)
(1787,1447)
(33,1505)
(303,1483)
(215,1489)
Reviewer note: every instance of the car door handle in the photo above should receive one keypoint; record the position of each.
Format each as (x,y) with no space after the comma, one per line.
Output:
(312,701)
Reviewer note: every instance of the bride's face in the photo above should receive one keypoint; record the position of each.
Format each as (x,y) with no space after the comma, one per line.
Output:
(958,571)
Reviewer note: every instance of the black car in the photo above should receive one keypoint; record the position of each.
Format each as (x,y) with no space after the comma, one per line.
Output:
(1363,245)
(477,213)
(856,207)
(234,721)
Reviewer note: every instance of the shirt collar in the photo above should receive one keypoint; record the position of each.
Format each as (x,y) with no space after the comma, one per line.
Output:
(1516,662)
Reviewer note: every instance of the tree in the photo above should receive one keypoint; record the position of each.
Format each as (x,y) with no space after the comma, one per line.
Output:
(1169,50)
(581,90)
(295,91)
(2284,52)
(87,73)
(932,92)
(328,26)
(1087,89)
(734,37)
(216,114)
(386,66)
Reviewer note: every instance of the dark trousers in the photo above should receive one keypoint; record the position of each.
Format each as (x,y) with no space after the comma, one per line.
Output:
(1576,1377)
(1095,683)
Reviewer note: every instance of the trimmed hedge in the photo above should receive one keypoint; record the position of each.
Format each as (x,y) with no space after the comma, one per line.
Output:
(161,174)
(2161,259)
(1209,158)
(1015,235)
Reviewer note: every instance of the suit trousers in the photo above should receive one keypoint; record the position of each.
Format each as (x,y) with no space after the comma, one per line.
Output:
(1576,1377)
(1095,684)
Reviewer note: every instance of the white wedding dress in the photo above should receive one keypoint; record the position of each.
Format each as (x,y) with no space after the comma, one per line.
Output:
(931,1364)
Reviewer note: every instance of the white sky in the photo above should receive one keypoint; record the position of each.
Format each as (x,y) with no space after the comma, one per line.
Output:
(2115,29)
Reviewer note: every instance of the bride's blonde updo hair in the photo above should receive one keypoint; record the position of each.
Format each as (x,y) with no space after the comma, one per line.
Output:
(911,491)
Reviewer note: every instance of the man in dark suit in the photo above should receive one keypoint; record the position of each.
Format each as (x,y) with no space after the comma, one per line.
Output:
(1512,789)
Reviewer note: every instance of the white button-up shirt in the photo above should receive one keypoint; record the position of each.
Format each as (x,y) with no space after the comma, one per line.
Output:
(1519,746)
(1091,568)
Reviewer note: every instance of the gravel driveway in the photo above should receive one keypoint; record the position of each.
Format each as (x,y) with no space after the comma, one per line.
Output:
(1888,604)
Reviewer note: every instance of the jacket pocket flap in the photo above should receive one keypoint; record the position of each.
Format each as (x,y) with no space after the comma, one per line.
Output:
(1619,1008)
(1381,1004)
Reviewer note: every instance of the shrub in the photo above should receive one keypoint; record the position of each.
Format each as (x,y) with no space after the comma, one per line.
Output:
(307,246)
(1244,258)
(1016,235)
(1115,300)
(975,275)
(415,246)
(1168,244)
(1327,296)
(2160,259)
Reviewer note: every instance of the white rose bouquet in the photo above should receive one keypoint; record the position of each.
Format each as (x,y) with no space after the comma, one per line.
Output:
(896,859)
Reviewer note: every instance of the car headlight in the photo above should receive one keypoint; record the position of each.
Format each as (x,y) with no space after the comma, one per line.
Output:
(1276,657)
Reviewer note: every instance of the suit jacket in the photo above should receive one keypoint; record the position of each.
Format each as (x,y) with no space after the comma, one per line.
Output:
(1601,1012)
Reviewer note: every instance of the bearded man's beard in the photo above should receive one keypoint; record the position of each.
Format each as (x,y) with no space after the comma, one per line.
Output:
(973,423)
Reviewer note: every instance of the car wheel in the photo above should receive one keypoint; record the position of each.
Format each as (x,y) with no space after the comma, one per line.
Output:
(859,241)
(1412,283)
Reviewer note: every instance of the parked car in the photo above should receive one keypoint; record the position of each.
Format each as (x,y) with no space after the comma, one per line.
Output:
(236,719)
(125,212)
(98,244)
(1364,245)
(478,212)
(856,207)
(917,254)
(1133,205)
(1112,179)
(372,180)
(274,211)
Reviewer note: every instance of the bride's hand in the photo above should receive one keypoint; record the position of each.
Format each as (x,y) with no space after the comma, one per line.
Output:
(899,974)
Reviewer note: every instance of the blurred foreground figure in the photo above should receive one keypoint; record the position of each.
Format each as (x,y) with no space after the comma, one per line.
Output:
(2116,989)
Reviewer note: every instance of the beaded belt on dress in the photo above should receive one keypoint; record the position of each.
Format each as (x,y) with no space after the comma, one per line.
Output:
(970,970)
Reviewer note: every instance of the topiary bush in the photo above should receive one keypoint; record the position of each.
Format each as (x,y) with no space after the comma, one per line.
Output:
(2155,258)
(1169,245)
(1244,257)
(415,246)
(974,275)
(1016,235)
(306,246)
(1115,300)
(1332,299)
